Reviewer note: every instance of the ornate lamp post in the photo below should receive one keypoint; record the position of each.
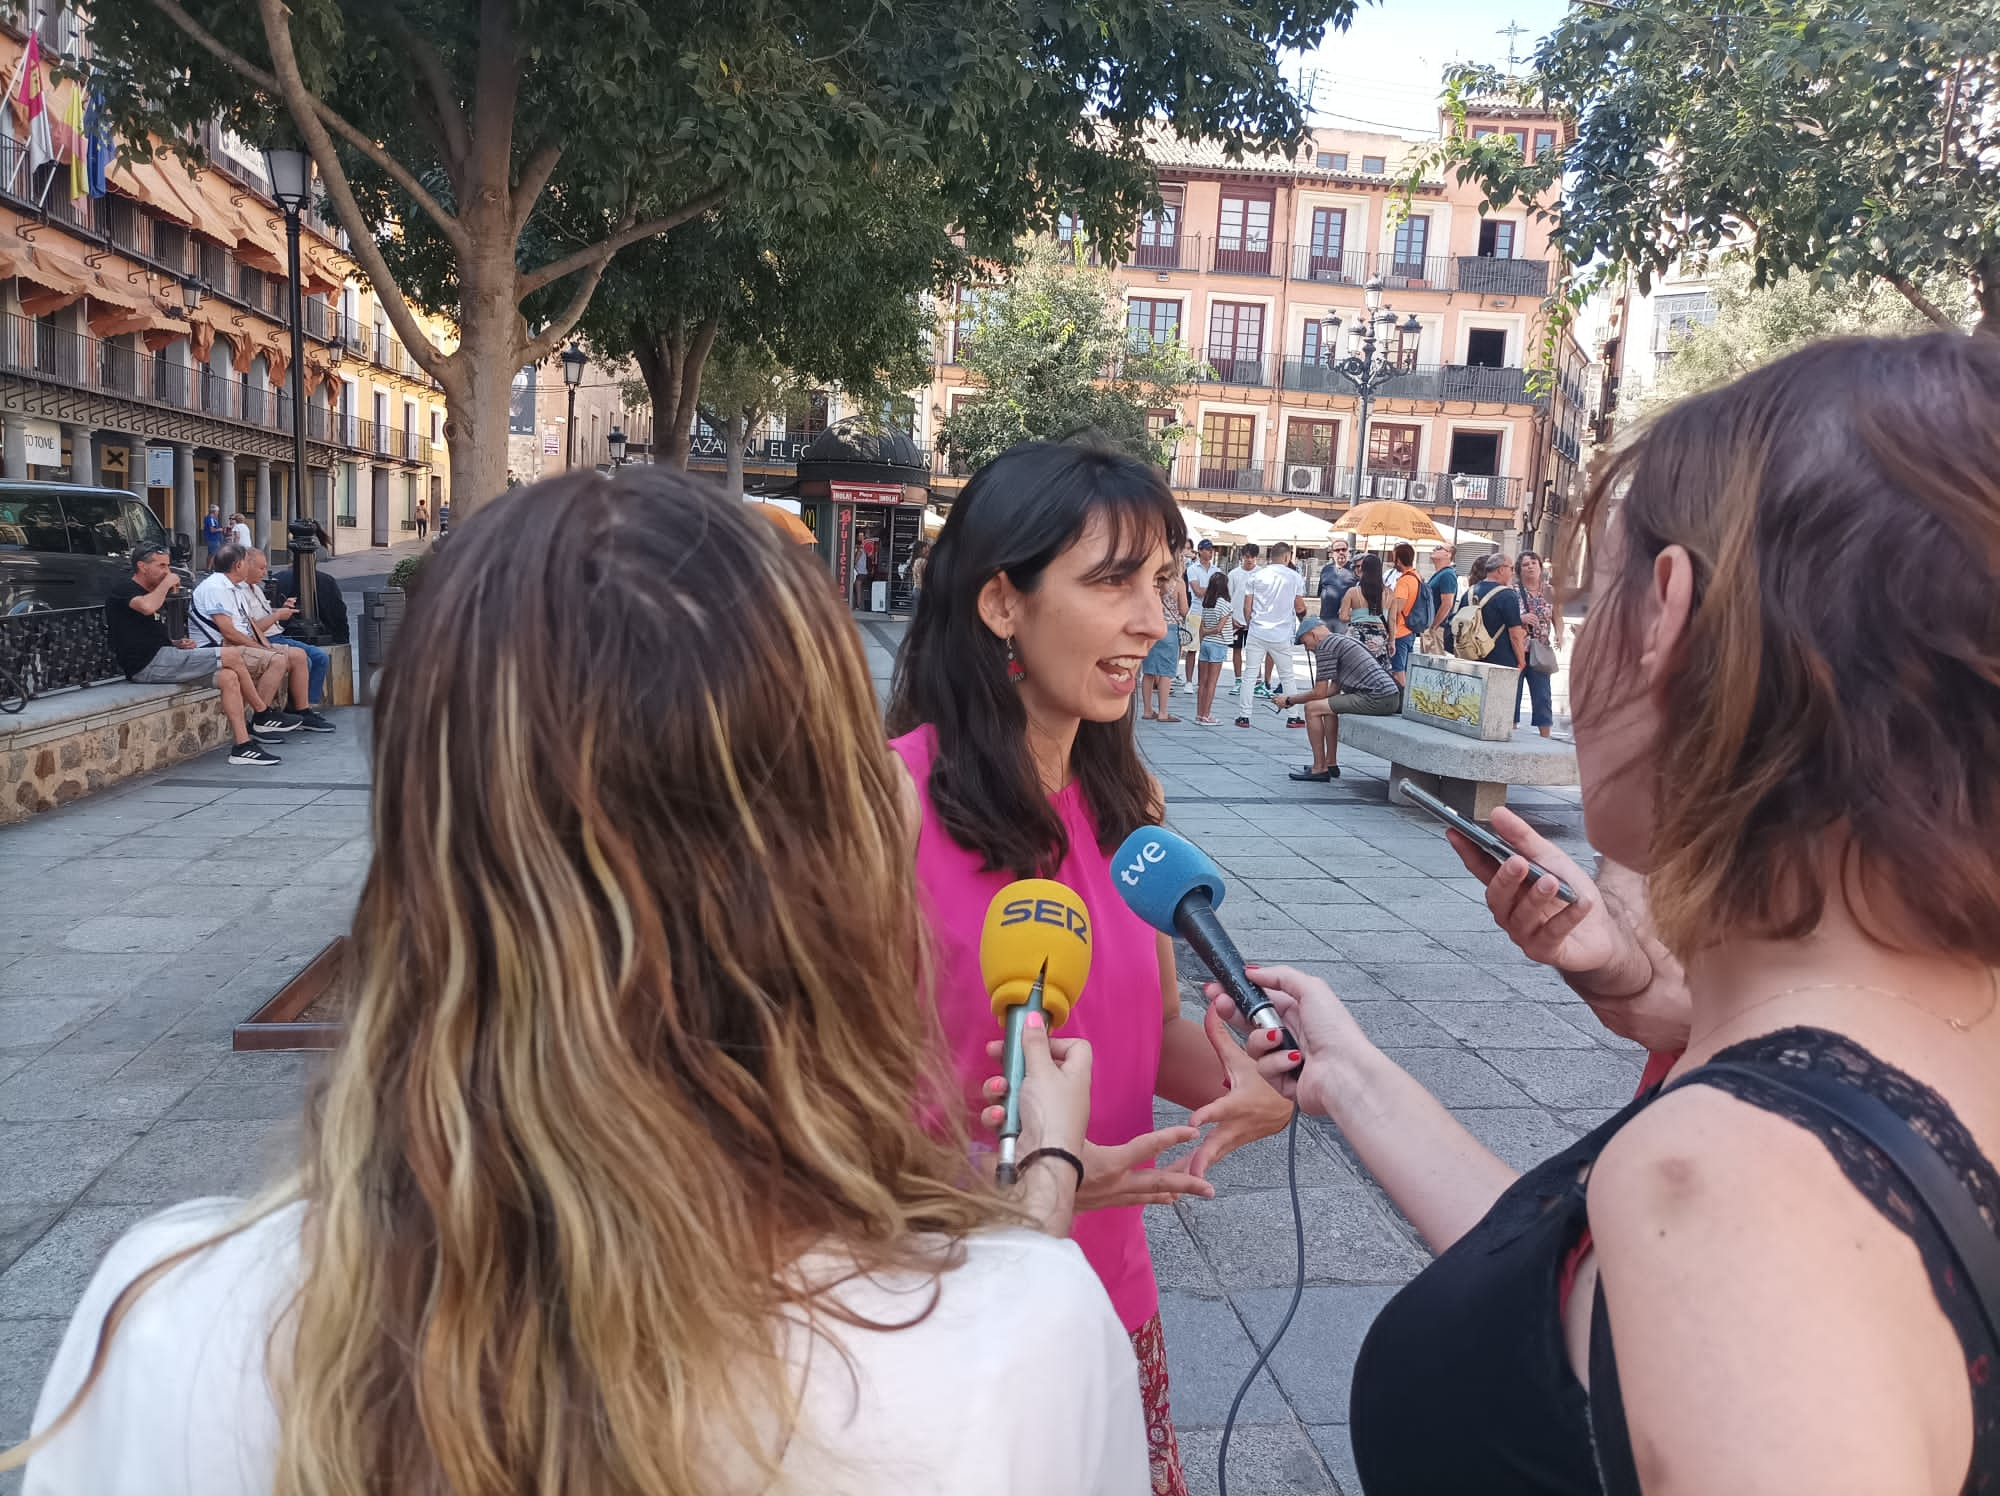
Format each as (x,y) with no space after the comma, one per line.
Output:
(1363,369)
(573,361)
(616,442)
(290,175)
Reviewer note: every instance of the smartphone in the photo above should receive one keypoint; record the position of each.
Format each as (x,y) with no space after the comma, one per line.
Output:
(1490,842)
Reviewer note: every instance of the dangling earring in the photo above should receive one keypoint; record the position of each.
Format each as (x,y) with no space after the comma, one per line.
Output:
(1016,671)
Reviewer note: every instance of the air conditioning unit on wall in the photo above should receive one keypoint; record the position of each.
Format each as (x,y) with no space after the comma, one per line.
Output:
(1300,478)
(1389,488)
(1419,492)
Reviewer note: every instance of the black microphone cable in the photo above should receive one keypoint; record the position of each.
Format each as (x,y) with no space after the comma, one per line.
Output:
(1298,1293)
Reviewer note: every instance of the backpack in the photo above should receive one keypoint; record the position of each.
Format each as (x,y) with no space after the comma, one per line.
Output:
(1423,612)
(1372,634)
(1470,638)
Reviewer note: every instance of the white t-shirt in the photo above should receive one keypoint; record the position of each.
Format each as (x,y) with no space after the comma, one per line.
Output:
(1239,585)
(241,535)
(1197,580)
(1276,589)
(258,607)
(213,594)
(1021,1382)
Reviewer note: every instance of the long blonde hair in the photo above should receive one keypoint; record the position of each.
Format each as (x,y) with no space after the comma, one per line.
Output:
(638,1022)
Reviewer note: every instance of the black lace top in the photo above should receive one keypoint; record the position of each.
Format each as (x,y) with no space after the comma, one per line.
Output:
(1463,1382)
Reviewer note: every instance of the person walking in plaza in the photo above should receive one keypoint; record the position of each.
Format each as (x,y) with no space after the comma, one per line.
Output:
(1786,1245)
(1493,604)
(1267,610)
(1239,595)
(239,532)
(628,1176)
(1442,584)
(211,536)
(1163,659)
(1336,580)
(423,520)
(1218,630)
(1011,708)
(1365,611)
(1347,680)
(1404,587)
(1540,618)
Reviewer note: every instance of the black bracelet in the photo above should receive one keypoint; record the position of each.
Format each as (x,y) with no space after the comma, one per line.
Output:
(1062,1153)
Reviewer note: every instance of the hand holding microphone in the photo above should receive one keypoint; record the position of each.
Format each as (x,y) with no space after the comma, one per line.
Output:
(1304,1052)
(1034,953)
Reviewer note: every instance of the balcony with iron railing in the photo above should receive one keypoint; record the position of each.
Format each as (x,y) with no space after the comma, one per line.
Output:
(1474,382)
(41,349)
(1323,263)
(1312,483)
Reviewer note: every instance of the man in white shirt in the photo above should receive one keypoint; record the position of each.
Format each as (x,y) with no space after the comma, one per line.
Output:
(1239,593)
(1271,595)
(1197,573)
(269,625)
(218,615)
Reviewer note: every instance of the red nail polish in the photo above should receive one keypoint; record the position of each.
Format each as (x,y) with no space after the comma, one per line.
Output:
(1272,1035)
(1295,1057)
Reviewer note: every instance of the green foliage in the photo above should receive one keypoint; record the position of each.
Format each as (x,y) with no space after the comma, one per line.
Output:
(1050,350)
(405,572)
(1756,324)
(1844,142)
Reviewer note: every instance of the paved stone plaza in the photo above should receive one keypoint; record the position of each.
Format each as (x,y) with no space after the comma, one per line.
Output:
(142,924)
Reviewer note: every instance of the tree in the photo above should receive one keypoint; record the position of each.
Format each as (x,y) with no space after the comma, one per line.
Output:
(1844,142)
(1757,324)
(1052,356)
(835,299)
(488,158)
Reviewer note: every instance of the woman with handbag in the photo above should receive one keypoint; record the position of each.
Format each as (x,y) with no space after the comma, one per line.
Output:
(1539,613)
(1778,1271)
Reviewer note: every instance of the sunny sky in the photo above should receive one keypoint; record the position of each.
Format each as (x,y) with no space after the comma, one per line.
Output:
(1383,70)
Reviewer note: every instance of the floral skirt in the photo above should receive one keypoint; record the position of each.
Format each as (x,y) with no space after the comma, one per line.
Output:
(1149,1344)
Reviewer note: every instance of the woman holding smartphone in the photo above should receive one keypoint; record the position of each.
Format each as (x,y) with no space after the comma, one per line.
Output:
(1012,713)
(1729,1286)
(620,1181)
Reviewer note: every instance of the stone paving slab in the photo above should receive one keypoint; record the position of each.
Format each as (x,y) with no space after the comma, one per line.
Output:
(118,1093)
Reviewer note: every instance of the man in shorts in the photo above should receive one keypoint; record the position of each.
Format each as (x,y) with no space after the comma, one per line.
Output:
(140,644)
(1346,679)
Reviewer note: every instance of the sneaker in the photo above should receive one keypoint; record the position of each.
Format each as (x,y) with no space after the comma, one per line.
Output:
(1260,689)
(1295,721)
(1242,721)
(275,722)
(311,721)
(250,753)
(268,739)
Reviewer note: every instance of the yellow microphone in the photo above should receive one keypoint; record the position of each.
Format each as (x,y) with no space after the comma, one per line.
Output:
(1034,952)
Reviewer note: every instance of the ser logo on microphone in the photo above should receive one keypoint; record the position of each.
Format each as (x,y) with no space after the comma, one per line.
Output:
(1046,912)
(1151,852)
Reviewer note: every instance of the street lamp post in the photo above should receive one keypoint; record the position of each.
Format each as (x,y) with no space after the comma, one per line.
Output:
(573,361)
(1363,369)
(290,176)
(616,443)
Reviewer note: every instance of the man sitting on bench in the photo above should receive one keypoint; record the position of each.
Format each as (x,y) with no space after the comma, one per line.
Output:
(1346,678)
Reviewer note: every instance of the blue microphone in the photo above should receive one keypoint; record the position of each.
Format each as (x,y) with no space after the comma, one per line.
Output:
(1174,887)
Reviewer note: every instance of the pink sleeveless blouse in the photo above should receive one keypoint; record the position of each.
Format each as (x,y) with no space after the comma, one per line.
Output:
(1119,1010)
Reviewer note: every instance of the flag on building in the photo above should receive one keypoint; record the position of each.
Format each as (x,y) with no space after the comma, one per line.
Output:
(78,145)
(35,104)
(99,149)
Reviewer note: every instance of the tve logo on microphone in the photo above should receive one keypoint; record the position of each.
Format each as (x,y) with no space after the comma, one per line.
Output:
(1151,852)
(1046,912)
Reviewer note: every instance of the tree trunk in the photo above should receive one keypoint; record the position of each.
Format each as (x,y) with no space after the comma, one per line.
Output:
(660,366)
(734,433)
(479,386)
(1986,286)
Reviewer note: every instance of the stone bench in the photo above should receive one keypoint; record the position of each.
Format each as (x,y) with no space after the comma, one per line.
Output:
(1468,774)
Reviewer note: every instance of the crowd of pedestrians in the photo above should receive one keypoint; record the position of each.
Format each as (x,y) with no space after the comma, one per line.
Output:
(1257,617)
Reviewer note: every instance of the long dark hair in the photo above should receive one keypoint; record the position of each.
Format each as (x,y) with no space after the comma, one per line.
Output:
(1368,577)
(1022,510)
(1218,590)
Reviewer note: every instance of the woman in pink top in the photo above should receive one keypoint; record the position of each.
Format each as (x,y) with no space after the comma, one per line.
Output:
(1012,710)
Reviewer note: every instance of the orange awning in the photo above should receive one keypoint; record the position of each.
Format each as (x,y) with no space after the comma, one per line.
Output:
(52,275)
(147,182)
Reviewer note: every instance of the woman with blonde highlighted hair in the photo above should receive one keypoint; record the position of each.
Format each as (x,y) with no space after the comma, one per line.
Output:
(622,1180)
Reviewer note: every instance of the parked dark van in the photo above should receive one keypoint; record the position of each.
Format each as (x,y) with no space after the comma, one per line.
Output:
(63,545)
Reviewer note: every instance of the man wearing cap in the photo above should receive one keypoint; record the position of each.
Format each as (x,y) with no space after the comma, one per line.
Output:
(1346,678)
(1199,570)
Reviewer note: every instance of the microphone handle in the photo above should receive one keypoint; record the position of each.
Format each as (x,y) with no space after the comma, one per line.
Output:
(1196,919)
(1014,1066)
